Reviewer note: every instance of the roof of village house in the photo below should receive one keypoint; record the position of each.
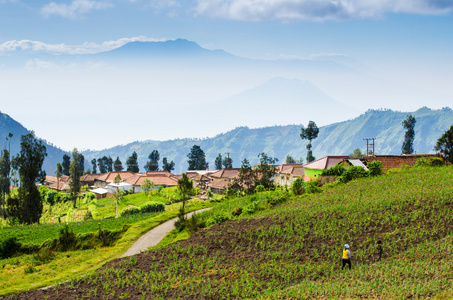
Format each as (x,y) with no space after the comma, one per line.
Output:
(296,171)
(325,163)
(219,183)
(200,177)
(396,161)
(283,167)
(92,177)
(50,179)
(100,191)
(226,173)
(157,179)
(158,173)
(123,174)
(356,162)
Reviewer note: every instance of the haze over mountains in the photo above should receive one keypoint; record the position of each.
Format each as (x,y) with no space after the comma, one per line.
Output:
(278,141)
(176,89)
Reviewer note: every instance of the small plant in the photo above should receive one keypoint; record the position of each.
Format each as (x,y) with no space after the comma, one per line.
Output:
(133,261)
(298,186)
(259,188)
(29,269)
(375,168)
(67,238)
(237,211)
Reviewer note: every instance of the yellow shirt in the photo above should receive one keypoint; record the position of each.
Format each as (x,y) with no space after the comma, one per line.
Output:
(345,254)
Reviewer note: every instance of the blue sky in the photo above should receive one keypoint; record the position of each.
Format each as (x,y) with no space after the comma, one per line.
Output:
(406,41)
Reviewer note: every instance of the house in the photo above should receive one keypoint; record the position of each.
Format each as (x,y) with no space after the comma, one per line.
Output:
(101,193)
(62,184)
(288,173)
(102,180)
(122,186)
(313,169)
(219,186)
(226,174)
(162,179)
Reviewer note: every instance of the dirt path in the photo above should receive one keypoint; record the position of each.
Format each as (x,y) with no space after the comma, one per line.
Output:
(155,235)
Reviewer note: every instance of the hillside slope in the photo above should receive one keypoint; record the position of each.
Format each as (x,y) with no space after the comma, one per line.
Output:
(298,245)
(278,141)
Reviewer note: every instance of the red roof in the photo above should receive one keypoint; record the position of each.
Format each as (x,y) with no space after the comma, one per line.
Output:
(226,173)
(157,179)
(296,171)
(325,163)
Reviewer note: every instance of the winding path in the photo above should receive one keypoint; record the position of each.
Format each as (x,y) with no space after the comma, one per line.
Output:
(155,235)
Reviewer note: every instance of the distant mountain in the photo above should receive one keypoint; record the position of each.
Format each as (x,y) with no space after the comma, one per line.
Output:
(278,141)
(7,125)
(290,100)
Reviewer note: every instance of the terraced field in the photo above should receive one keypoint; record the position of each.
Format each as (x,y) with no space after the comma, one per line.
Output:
(294,249)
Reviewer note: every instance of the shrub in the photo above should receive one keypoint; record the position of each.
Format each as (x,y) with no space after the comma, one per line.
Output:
(298,186)
(259,188)
(131,210)
(336,170)
(194,223)
(51,197)
(351,174)
(312,187)
(375,168)
(217,219)
(237,211)
(152,207)
(9,247)
(88,216)
(67,238)
(252,208)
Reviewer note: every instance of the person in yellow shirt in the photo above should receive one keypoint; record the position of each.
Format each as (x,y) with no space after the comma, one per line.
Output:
(346,257)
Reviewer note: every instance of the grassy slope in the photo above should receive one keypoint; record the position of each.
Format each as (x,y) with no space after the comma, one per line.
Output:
(71,264)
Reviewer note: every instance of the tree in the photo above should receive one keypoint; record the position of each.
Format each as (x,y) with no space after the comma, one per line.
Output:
(118,165)
(290,160)
(185,188)
(408,144)
(132,164)
(74,174)
(266,170)
(5,168)
(117,194)
(109,164)
(227,162)
(28,207)
(58,174)
(356,153)
(81,161)
(218,162)
(444,145)
(197,159)
(66,164)
(246,178)
(147,186)
(310,133)
(167,166)
(94,165)
(153,163)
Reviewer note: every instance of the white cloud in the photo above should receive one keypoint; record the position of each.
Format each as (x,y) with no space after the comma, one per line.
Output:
(85,48)
(76,7)
(316,10)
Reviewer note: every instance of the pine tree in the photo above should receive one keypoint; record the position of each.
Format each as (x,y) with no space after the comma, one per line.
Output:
(310,133)
(197,159)
(132,163)
(408,144)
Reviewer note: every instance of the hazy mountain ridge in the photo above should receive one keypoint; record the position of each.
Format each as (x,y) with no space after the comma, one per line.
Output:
(278,141)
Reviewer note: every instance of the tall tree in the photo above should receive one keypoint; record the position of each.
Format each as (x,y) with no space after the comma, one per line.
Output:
(5,168)
(117,194)
(109,164)
(167,166)
(444,145)
(185,188)
(247,177)
(58,174)
(266,170)
(94,165)
(153,163)
(66,164)
(218,162)
(310,133)
(132,163)
(74,174)
(290,160)
(197,159)
(118,165)
(227,162)
(81,161)
(28,208)
(408,144)
(147,186)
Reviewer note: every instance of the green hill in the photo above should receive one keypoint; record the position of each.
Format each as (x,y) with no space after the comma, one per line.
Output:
(294,250)
(278,141)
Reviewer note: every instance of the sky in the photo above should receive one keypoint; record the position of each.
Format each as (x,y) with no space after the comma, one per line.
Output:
(409,42)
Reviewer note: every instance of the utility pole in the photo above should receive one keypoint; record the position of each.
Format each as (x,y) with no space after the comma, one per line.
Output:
(369,146)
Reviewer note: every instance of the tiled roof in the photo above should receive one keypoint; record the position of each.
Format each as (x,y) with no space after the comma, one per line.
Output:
(226,173)
(325,162)
(286,166)
(219,183)
(200,177)
(157,179)
(123,174)
(158,173)
(296,171)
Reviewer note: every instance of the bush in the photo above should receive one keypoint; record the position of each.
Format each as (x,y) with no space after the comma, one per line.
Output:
(67,238)
(259,188)
(194,223)
(152,207)
(131,210)
(252,208)
(375,168)
(298,186)
(9,247)
(429,162)
(51,197)
(237,211)
(217,219)
(336,170)
(312,187)
(351,174)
